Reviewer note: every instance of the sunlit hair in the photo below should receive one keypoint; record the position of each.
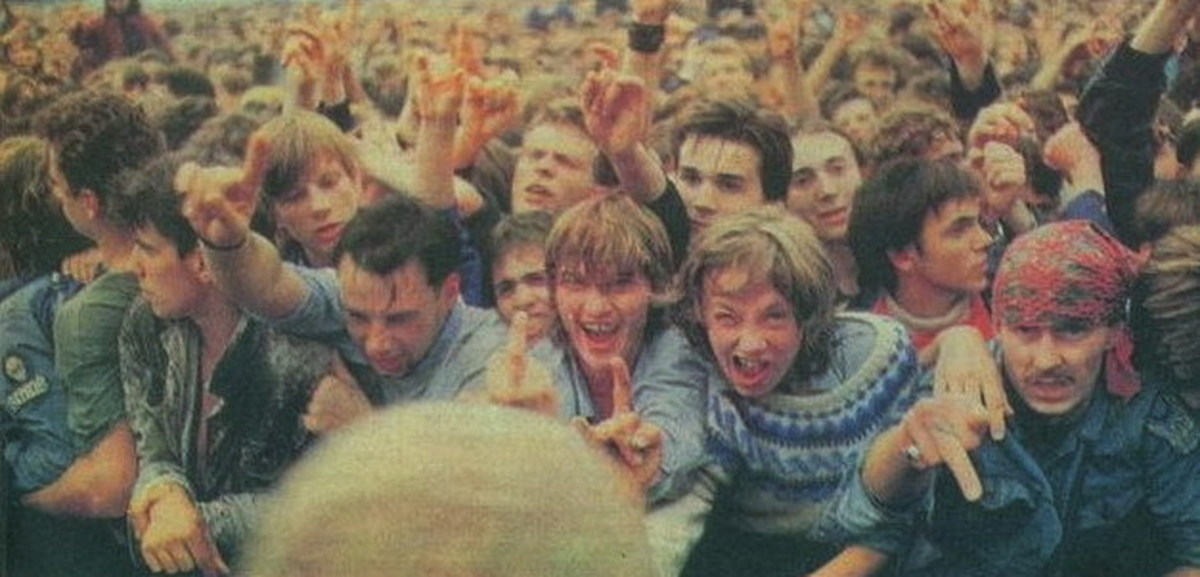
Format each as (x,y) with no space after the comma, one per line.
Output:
(769,245)
(910,132)
(33,230)
(1166,314)
(611,234)
(297,140)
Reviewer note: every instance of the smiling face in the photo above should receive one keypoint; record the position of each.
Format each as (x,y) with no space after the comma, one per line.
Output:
(752,330)
(1055,369)
(316,210)
(718,177)
(602,312)
(825,176)
(396,317)
(554,169)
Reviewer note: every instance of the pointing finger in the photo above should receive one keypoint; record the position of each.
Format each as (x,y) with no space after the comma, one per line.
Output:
(622,389)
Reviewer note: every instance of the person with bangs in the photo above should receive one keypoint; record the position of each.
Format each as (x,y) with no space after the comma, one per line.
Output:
(800,392)
(312,187)
(610,269)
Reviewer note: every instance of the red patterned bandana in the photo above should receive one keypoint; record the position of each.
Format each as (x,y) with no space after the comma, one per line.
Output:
(1069,273)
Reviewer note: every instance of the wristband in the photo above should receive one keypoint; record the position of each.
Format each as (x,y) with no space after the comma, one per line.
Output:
(219,248)
(646,38)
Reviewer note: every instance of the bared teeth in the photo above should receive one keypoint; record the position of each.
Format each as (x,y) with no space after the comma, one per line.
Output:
(598,329)
(747,364)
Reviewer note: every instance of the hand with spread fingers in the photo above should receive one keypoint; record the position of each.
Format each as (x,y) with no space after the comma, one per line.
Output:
(336,402)
(615,110)
(515,380)
(635,444)
(172,533)
(966,369)
(219,202)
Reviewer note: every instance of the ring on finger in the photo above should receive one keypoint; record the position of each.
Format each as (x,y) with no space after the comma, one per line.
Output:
(913,454)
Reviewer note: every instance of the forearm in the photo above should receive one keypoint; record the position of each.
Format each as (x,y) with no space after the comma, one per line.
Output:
(887,475)
(640,173)
(435,176)
(1157,33)
(822,67)
(853,561)
(253,276)
(96,485)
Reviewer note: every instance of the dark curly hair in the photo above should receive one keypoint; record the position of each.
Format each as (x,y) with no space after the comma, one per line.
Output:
(96,135)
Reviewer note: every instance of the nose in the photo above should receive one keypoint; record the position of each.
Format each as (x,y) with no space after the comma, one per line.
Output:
(376,341)
(983,238)
(1045,354)
(596,301)
(750,342)
(322,200)
(703,202)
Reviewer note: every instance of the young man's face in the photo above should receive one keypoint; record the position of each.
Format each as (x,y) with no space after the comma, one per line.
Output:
(857,119)
(751,329)
(825,177)
(876,82)
(718,177)
(316,211)
(554,169)
(1054,369)
(396,317)
(952,256)
(521,284)
(173,285)
(603,313)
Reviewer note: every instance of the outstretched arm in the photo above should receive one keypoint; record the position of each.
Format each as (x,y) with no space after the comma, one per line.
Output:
(219,203)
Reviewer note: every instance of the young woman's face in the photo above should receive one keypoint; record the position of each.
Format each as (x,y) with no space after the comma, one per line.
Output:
(603,313)
(751,329)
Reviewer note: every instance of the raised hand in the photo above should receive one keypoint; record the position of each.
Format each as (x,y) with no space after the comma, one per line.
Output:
(219,202)
(467,49)
(943,431)
(84,266)
(966,369)
(850,28)
(1004,123)
(515,380)
(636,445)
(336,402)
(615,110)
(963,29)
(488,109)
(172,534)
(439,90)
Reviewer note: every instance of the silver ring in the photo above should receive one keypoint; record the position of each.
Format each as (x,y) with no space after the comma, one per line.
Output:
(913,454)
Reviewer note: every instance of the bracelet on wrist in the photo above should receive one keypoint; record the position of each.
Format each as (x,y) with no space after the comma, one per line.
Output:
(223,248)
(646,38)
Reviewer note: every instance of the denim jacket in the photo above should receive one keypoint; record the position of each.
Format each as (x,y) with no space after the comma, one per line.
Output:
(1118,495)
(33,403)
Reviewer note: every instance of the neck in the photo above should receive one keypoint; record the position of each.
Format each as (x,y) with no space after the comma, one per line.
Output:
(217,319)
(921,299)
(116,249)
(845,269)
(316,260)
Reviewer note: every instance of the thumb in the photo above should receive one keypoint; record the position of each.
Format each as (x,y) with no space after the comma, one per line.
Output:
(139,516)
(622,389)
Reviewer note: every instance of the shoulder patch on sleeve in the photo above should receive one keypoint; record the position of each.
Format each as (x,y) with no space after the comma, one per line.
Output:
(27,386)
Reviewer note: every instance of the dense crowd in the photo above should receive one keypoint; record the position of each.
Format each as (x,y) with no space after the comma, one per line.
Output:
(623,287)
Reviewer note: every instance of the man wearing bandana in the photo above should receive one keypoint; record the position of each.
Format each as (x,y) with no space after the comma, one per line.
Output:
(1097,473)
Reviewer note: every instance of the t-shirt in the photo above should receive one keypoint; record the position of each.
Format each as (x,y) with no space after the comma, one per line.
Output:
(86,332)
